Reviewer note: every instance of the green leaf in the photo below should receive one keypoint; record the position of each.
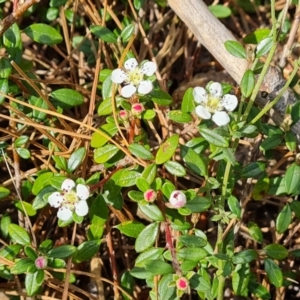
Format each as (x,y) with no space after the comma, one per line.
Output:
(158,267)
(290,140)
(13,42)
(147,237)
(175,168)
(67,98)
(193,241)
(240,279)
(4,192)
(141,273)
(10,252)
(40,103)
(22,265)
(167,149)
(4,89)
(235,49)
(60,162)
(271,142)
(247,83)
(5,67)
(257,36)
(292,178)
(131,228)
(43,34)
(213,137)
(147,255)
(295,206)
(76,159)
(161,97)
(151,211)
(62,251)
(276,251)
(18,234)
(31,284)
(140,151)
(136,196)
(23,152)
(86,251)
(255,232)
(103,33)
(284,219)
(127,33)
(261,187)
(253,169)
(40,276)
(30,253)
(193,161)
(105,153)
(125,178)
(264,47)
(41,182)
(107,89)
(198,204)
(57,263)
(5,221)
(25,206)
(99,140)
(188,104)
(274,273)
(220,11)
(191,253)
(148,114)
(258,290)
(234,206)
(166,291)
(179,116)
(150,173)
(245,256)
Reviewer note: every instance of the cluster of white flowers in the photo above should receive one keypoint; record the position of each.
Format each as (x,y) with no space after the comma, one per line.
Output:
(133,77)
(70,200)
(212,103)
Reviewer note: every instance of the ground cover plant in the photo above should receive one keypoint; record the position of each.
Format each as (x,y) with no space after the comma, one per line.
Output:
(134,167)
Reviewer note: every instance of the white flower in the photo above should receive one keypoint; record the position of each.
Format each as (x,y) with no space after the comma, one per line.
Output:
(69,200)
(177,199)
(133,77)
(212,104)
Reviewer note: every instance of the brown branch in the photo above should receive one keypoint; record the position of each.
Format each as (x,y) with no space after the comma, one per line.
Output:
(16,15)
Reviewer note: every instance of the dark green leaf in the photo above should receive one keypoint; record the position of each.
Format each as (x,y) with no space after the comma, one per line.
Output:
(86,251)
(76,159)
(235,49)
(18,234)
(105,153)
(62,251)
(127,33)
(23,152)
(257,36)
(192,241)
(255,231)
(292,178)
(151,211)
(4,192)
(284,219)
(274,273)
(150,173)
(147,237)
(140,151)
(213,137)
(161,97)
(4,89)
(264,46)
(131,228)
(245,256)
(175,168)
(43,33)
(253,169)
(67,98)
(271,142)
(147,255)
(191,253)
(158,267)
(188,104)
(247,83)
(31,283)
(198,204)
(276,251)
(103,33)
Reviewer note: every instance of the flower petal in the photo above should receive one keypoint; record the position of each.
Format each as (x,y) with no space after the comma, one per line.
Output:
(148,68)
(55,199)
(200,94)
(81,208)
(177,199)
(68,185)
(145,87)
(128,90)
(230,102)
(202,112)
(215,89)
(130,64)
(64,213)
(82,191)
(221,118)
(118,76)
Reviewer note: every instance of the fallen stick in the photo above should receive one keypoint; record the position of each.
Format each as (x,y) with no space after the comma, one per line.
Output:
(212,34)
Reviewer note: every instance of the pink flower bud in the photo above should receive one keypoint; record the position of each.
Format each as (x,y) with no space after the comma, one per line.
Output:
(123,115)
(177,199)
(137,109)
(41,262)
(182,284)
(150,195)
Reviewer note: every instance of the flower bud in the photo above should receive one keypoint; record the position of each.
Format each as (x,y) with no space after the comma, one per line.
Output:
(150,195)
(177,199)
(182,284)
(123,115)
(137,109)
(41,262)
